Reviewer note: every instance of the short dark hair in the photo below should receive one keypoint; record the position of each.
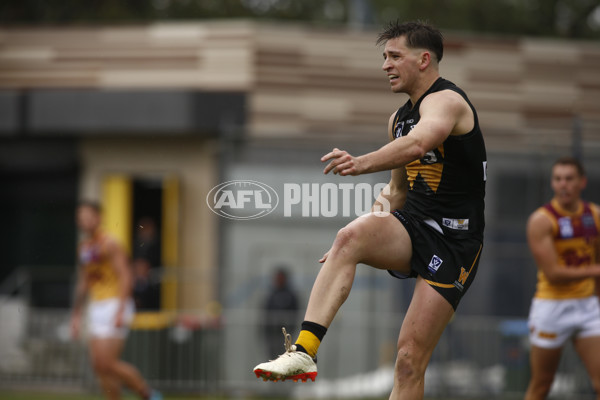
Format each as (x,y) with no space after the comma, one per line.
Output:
(94,205)
(418,34)
(567,160)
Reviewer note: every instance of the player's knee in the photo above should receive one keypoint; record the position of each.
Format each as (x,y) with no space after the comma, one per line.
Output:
(409,365)
(540,386)
(102,365)
(345,238)
(353,234)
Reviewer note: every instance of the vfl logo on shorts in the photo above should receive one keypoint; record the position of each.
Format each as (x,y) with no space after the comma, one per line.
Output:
(434,264)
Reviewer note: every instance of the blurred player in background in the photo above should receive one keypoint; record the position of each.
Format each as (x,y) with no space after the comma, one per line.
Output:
(104,276)
(564,239)
(281,308)
(431,226)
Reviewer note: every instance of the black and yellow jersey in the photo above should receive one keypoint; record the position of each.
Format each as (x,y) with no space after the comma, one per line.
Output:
(448,183)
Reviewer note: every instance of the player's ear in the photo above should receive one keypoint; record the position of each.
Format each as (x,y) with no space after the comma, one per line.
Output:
(425,60)
(583,183)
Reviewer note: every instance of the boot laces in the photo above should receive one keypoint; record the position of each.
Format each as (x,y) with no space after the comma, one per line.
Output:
(289,347)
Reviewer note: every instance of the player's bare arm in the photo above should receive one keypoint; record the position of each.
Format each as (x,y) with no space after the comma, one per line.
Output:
(443,114)
(81,291)
(79,297)
(120,263)
(539,237)
(597,247)
(392,197)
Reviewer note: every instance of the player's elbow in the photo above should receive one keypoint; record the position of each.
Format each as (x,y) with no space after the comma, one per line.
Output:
(554,276)
(418,151)
(553,279)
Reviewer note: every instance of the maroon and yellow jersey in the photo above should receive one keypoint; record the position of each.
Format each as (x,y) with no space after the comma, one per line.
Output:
(575,235)
(99,272)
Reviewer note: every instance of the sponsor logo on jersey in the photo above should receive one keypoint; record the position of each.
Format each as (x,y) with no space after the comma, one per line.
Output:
(588,221)
(565,227)
(398,130)
(485,171)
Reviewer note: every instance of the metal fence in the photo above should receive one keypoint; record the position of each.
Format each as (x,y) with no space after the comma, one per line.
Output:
(476,357)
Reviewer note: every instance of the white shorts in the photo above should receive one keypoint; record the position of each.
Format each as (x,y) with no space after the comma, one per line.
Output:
(101,319)
(553,322)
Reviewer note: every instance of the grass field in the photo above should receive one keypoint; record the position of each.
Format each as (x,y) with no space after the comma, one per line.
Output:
(13,395)
(71,396)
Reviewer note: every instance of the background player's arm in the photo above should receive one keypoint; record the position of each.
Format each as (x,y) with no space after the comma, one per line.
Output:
(597,280)
(81,290)
(120,263)
(541,243)
(597,260)
(442,114)
(79,297)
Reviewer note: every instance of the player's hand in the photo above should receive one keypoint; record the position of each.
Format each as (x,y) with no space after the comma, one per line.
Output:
(324,258)
(119,318)
(341,163)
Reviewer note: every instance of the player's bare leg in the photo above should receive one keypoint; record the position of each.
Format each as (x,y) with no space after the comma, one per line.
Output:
(544,363)
(110,383)
(111,386)
(425,321)
(588,349)
(379,241)
(107,364)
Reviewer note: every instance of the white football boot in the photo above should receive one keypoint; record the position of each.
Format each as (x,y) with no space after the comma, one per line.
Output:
(292,364)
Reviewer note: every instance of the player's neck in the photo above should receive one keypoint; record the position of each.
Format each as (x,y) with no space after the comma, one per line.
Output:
(571,207)
(425,83)
(94,235)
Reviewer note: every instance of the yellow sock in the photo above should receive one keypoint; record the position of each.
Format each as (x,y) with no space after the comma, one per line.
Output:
(309,342)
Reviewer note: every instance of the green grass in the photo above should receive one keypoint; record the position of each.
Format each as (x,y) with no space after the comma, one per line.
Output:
(9,395)
(20,395)
(71,396)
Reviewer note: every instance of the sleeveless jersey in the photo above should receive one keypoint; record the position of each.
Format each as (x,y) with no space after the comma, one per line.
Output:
(448,183)
(574,239)
(99,273)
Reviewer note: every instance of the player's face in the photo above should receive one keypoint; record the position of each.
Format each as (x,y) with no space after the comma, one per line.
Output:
(88,219)
(567,184)
(401,64)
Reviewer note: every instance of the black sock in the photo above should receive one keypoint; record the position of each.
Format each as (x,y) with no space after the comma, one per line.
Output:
(318,330)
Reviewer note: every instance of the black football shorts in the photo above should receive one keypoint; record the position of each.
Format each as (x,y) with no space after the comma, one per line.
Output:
(446,263)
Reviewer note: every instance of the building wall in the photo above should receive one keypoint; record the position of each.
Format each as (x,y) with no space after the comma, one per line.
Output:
(315,82)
